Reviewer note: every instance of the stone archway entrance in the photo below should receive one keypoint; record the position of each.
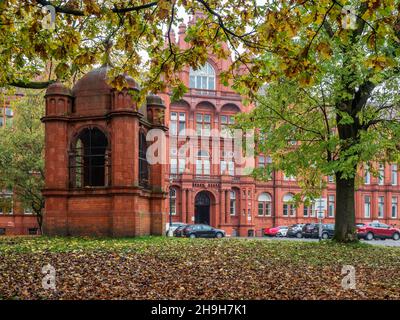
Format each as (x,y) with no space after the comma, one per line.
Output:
(202,208)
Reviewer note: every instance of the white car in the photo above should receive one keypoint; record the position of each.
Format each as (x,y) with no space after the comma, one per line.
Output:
(282,232)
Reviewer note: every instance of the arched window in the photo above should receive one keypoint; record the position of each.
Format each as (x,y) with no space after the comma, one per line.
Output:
(89,159)
(143,165)
(264,204)
(288,205)
(232,202)
(203,163)
(172,203)
(203,78)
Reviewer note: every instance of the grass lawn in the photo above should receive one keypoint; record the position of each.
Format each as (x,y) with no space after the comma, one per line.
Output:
(164,268)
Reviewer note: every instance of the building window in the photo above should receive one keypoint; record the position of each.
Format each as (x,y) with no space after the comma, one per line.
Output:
(381,174)
(309,209)
(202,78)
(203,124)
(367,207)
(288,178)
(228,166)
(9,112)
(331,179)
(28,210)
(203,163)
(143,165)
(177,165)
(232,203)
(174,166)
(288,205)
(306,210)
(367,175)
(2,231)
(172,201)
(89,159)
(394,207)
(331,206)
(394,174)
(178,123)
(261,161)
(381,206)
(264,204)
(226,121)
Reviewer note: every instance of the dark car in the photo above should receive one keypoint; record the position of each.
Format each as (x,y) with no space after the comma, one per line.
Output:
(295,230)
(377,230)
(174,226)
(311,230)
(178,232)
(202,231)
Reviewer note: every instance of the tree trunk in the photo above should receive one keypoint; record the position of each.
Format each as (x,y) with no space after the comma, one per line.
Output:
(39,219)
(345,210)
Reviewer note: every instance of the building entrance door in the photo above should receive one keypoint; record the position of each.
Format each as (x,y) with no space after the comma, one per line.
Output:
(202,208)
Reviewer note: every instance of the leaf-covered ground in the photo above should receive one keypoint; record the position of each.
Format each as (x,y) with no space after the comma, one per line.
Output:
(163,268)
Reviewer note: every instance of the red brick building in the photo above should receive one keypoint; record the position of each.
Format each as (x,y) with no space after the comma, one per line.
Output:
(203,190)
(97,179)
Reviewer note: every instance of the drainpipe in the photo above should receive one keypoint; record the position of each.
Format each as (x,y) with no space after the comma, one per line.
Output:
(274,198)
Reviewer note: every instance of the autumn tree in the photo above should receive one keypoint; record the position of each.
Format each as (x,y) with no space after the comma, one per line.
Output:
(333,87)
(347,51)
(22,153)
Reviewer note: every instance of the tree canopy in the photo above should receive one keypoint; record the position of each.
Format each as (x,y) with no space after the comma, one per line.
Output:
(331,67)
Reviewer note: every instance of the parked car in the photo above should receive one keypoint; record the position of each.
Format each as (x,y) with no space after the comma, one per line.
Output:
(202,231)
(272,232)
(175,225)
(282,232)
(294,231)
(377,230)
(178,232)
(311,230)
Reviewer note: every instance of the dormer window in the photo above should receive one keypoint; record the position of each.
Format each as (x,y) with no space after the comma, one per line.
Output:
(203,78)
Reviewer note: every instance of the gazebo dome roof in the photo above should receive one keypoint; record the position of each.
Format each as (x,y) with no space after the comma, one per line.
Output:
(57,88)
(95,82)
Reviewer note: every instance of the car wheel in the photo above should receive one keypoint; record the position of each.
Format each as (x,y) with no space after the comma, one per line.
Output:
(299,235)
(192,236)
(325,236)
(369,236)
(219,235)
(396,236)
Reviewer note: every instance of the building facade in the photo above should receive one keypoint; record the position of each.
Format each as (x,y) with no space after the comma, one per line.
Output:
(206,186)
(97,179)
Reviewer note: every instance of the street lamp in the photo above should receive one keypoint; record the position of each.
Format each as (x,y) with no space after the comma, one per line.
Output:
(319,211)
(170,234)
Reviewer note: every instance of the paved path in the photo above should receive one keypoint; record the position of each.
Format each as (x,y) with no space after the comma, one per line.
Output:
(386,243)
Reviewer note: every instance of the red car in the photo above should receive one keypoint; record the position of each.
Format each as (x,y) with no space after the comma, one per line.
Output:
(372,230)
(273,232)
